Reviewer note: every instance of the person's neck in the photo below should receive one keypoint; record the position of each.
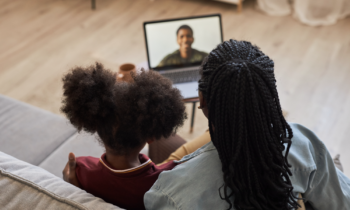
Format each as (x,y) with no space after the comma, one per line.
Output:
(122,162)
(185,54)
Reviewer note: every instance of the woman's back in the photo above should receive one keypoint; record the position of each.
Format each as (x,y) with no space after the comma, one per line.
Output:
(194,184)
(256,160)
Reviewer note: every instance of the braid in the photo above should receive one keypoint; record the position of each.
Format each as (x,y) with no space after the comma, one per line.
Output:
(247,127)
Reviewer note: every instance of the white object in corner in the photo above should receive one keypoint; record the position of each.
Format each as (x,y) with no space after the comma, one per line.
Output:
(230,1)
(238,2)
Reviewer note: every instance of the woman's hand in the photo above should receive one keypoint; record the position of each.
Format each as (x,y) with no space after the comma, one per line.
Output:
(69,171)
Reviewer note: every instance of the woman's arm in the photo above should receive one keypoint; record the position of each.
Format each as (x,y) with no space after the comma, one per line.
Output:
(327,187)
(156,199)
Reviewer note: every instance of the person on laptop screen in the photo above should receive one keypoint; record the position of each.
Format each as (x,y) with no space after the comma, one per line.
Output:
(185,54)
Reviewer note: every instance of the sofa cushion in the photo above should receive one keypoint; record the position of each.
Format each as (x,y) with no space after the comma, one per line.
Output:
(81,144)
(29,133)
(24,186)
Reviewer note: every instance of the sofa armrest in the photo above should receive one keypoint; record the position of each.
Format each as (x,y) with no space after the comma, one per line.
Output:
(25,186)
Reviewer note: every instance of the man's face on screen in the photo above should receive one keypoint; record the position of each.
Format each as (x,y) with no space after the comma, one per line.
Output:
(185,40)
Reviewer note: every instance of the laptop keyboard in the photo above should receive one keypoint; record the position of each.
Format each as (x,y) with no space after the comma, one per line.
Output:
(183,76)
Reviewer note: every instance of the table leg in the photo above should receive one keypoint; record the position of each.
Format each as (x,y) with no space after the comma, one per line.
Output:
(239,6)
(192,118)
(93,4)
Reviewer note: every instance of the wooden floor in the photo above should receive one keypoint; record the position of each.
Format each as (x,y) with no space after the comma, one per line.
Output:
(42,39)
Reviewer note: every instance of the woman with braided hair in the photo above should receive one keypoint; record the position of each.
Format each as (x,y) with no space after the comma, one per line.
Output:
(255,159)
(251,133)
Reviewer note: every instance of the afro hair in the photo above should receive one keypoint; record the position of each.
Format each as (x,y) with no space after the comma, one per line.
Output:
(125,115)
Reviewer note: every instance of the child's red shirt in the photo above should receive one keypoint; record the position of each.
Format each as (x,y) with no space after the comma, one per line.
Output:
(124,188)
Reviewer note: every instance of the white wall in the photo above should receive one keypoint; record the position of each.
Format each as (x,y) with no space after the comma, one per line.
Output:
(161,37)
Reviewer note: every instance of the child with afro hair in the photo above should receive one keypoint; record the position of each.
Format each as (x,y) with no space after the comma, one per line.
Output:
(125,116)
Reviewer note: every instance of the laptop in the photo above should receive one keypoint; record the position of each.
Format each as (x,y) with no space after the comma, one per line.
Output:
(177,47)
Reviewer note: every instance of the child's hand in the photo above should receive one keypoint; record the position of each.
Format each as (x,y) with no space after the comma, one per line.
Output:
(69,171)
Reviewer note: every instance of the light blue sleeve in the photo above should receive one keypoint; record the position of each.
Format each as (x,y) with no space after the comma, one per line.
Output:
(328,188)
(156,199)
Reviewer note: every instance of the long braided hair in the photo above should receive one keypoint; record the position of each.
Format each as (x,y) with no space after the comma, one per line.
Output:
(247,127)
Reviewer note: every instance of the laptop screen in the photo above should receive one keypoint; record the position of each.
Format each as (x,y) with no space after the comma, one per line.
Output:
(181,42)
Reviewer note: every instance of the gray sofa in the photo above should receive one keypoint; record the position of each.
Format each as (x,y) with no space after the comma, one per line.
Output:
(34,148)
(25,186)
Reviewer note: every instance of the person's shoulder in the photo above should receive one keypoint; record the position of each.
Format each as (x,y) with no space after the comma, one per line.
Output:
(87,162)
(302,153)
(204,163)
(199,53)
(87,169)
(304,136)
(301,131)
(169,58)
(176,53)
(192,184)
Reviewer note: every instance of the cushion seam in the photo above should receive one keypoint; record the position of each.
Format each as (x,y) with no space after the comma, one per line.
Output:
(42,189)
